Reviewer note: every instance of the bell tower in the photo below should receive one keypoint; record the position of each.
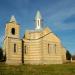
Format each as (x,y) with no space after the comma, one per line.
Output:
(12,42)
(12,28)
(38,20)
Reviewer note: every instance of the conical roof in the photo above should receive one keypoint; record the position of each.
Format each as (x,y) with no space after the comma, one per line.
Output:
(12,19)
(38,15)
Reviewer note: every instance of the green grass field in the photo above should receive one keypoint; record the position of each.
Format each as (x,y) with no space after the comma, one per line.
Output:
(63,69)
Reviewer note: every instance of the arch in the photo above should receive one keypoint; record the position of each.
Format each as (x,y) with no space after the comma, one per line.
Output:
(13,31)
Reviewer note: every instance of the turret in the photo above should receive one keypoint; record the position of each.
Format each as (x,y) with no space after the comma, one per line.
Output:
(12,28)
(38,20)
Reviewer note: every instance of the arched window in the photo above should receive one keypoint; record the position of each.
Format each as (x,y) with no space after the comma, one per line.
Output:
(13,31)
(38,22)
(48,48)
(14,48)
(25,49)
(55,48)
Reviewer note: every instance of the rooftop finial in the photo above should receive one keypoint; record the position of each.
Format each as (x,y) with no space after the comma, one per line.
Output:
(12,19)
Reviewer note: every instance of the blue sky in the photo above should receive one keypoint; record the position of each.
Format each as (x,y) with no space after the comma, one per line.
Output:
(59,15)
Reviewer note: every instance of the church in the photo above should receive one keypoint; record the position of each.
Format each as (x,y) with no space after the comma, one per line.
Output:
(38,46)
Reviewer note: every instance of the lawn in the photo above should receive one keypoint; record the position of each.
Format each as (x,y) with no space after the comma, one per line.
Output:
(63,69)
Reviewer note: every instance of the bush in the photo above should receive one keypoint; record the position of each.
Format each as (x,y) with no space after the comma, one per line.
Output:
(1,54)
(68,55)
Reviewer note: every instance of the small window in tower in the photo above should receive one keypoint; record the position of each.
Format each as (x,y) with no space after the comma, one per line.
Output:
(13,31)
(14,48)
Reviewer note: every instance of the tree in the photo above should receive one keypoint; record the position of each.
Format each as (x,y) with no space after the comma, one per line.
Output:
(68,55)
(1,54)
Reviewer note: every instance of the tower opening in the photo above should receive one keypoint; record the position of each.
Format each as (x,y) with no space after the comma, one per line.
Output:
(13,31)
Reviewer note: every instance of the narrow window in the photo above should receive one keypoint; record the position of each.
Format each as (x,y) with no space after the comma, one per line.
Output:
(25,49)
(48,48)
(14,48)
(38,22)
(55,48)
(13,31)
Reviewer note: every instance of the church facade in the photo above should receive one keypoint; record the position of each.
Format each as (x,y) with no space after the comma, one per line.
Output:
(38,46)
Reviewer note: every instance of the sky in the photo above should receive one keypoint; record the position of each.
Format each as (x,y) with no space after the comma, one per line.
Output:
(58,15)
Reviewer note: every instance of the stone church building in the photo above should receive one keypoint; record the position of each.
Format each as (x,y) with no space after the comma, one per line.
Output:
(38,46)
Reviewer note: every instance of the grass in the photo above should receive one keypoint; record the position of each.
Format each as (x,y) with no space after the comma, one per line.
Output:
(63,69)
